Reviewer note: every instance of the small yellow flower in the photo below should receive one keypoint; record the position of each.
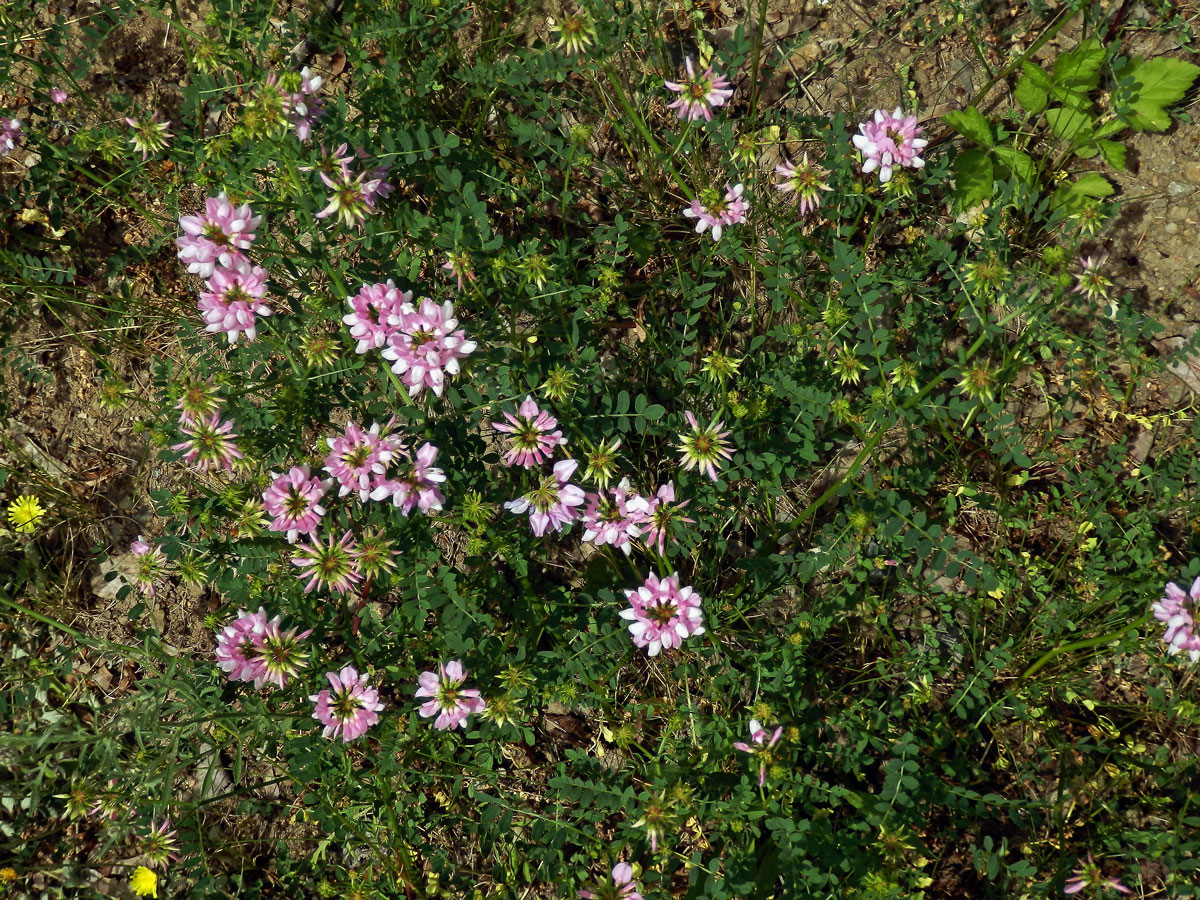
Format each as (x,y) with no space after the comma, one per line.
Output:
(144,882)
(8,875)
(25,512)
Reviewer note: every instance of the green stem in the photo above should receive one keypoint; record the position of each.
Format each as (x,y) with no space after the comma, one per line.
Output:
(1049,655)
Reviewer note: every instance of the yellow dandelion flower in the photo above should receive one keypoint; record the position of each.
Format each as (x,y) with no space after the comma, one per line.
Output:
(25,512)
(8,875)
(144,882)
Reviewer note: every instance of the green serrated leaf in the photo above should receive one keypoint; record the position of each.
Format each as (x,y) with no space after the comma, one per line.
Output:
(1032,97)
(1162,81)
(1148,116)
(971,124)
(1036,75)
(1074,194)
(973,177)
(1069,124)
(1080,67)
(1113,153)
(1019,164)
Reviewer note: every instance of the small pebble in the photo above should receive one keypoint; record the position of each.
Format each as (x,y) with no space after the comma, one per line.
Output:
(1171,228)
(1176,188)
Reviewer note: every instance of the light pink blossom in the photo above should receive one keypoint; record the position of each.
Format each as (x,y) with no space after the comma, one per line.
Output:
(416,486)
(1088,874)
(150,565)
(890,140)
(615,517)
(281,653)
(237,643)
(710,209)
(353,197)
(357,458)
(760,746)
(448,699)
(704,447)
(698,96)
(459,265)
(805,180)
(233,300)
(552,504)
(1178,610)
(533,434)
(427,346)
(217,235)
(623,886)
(664,514)
(304,106)
(662,614)
(374,314)
(58,95)
(11,134)
(349,709)
(294,500)
(330,563)
(210,443)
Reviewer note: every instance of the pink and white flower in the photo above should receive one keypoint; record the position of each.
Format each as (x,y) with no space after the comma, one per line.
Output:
(427,345)
(359,458)
(233,300)
(805,180)
(150,565)
(374,314)
(552,504)
(58,96)
(1178,610)
(699,96)
(349,709)
(330,563)
(218,235)
(210,443)
(533,434)
(704,447)
(281,653)
(11,134)
(760,746)
(710,209)
(448,699)
(459,265)
(417,486)
(1089,874)
(890,140)
(664,514)
(662,614)
(353,197)
(615,517)
(304,105)
(294,500)
(237,644)
(623,886)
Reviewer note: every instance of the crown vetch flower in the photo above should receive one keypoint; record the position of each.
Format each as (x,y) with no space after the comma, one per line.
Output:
(375,554)
(760,746)
(199,400)
(350,708)
(353,197)
(237,643)
(374,314)
(890,140)
(216,236)
(1178,610)
(1088,874)
(663,515)
(417,486)
(623,886)
(149,135)
(58,96)
(552,504)
(304,106)
(459,265)
(330,563)
(359,458)
(210,443)
(293,499)
(150,565)
(662,614)
(704,448)
(233,299)
(448,699)
(280,653)
(427,346)
(1093,283)
(711,209)
(698,96)
(11,134)
(806,181)
(158,845)
(575,34)
(615,519)
(533,437)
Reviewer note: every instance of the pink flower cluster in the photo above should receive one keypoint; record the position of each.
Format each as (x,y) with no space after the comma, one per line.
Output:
(662,614)
(615,517)
(888,141)
(304,105)
(150,563)
(11,134)
(254,648)
(212,246)
(699,96)
(553,502)
(210,440)
(348,707)
(1178,610)
(358,460)
(710,209)
(446,698)
(294,500)
(623,886)
(533,434)
(760,745)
